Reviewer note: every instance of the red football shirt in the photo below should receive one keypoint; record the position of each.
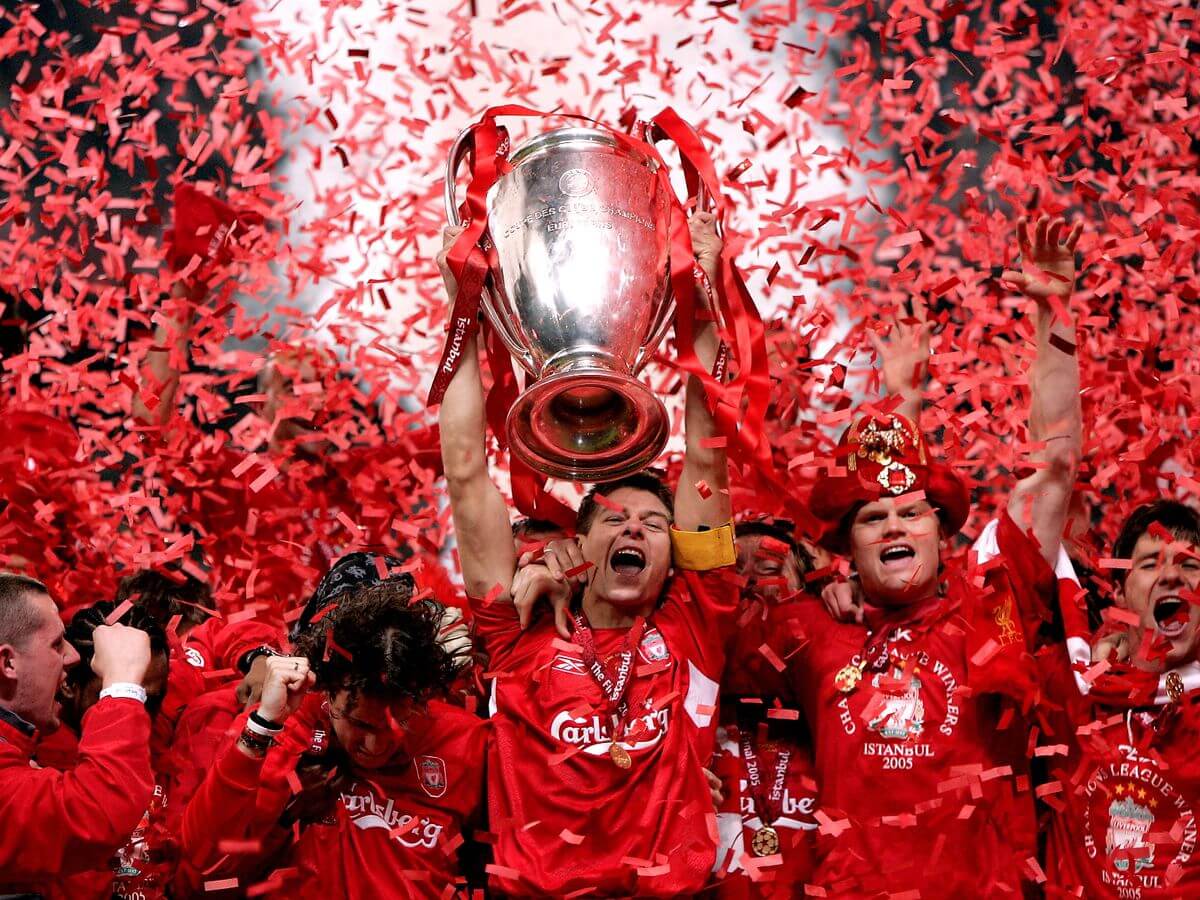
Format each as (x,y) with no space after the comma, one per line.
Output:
(1124,793)
(393,833)
(923,788)
(565,817)
(746,875)
(1128,796)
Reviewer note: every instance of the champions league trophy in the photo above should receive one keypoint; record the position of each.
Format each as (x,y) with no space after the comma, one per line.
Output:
(579,291)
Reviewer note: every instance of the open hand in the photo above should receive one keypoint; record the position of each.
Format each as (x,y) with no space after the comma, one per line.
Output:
(1047,258)
(904,352)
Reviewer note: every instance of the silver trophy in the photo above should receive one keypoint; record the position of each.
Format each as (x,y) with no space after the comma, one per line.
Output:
(580,293)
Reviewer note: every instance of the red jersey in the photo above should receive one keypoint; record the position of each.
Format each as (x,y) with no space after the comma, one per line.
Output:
(53,823)
(143,866)
(565,817)
(1127,798)
(206,728)
(1124,796)
(746,874)
(922,786)
(393,832)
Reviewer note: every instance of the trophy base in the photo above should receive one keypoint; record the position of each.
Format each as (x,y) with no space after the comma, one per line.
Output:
(591,425)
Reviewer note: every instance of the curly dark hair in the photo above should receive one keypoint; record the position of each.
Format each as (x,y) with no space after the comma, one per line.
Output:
(377,642)
(81,635)
(166,594)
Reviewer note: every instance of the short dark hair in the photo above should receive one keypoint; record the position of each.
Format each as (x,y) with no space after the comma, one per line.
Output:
(164,595)
(530,525)
(18,619)
(1179,520)
(780,532)
(376,641)
(648,480)
(81,634)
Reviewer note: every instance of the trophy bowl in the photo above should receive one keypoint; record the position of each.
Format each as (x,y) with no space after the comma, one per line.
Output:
(579,291)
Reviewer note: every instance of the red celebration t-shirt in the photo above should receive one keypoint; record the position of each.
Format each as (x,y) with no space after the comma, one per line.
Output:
(923,775)
(392,833)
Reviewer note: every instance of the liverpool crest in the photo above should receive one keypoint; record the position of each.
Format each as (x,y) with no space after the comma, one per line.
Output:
(431,773)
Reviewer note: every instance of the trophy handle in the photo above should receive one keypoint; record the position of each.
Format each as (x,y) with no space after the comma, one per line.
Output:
(486,296)
(457,152)
(507,336)
(666,311)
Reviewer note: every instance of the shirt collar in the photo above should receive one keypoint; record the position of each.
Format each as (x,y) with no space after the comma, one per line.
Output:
(15,722)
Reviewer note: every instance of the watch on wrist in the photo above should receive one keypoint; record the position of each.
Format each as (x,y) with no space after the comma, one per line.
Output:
(250,656)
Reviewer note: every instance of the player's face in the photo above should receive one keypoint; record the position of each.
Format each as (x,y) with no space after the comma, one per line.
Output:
(367,728)
(37,666)
(1160,589)
(895,547)
(629,543)
(768,567)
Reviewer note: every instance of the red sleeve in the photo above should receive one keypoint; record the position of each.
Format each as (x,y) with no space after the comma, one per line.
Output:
(56,822)
(701,608)
(223,643)
(497,628)
(204,730)
(1034,583)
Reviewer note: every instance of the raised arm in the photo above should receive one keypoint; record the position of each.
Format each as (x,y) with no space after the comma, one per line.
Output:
(485,546)
(904,360)
(201,240)
(702,496)
(1041,500)
(155,399)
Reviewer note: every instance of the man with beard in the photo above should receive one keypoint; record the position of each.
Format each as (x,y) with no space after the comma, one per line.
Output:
(56,823)
(1125,796)
(920,765)
(596,773)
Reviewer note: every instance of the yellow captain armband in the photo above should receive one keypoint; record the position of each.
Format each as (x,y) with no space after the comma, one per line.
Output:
(699,551)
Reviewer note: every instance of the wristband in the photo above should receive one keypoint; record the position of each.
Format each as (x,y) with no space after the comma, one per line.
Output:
(260,726)
(254,742)
(125,690)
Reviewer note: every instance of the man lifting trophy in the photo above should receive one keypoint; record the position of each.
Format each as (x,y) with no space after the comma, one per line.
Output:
(585,247)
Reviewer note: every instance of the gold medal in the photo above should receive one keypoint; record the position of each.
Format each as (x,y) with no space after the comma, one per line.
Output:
(765,841)
(620,756)
(1174,687)
(847,678)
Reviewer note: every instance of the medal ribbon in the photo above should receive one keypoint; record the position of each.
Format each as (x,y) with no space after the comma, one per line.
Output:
(614,685)
(768,806)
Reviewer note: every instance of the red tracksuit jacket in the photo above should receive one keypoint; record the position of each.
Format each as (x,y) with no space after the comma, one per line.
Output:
(368,846)
(55,823)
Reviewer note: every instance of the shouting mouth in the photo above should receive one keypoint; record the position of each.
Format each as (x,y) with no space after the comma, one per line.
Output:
(627,562)
(897,556)
(1171,616)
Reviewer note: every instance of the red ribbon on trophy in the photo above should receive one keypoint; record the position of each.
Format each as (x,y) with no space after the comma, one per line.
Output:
(738,406)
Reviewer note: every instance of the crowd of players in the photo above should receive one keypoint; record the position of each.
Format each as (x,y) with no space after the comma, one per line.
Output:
(660,702)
